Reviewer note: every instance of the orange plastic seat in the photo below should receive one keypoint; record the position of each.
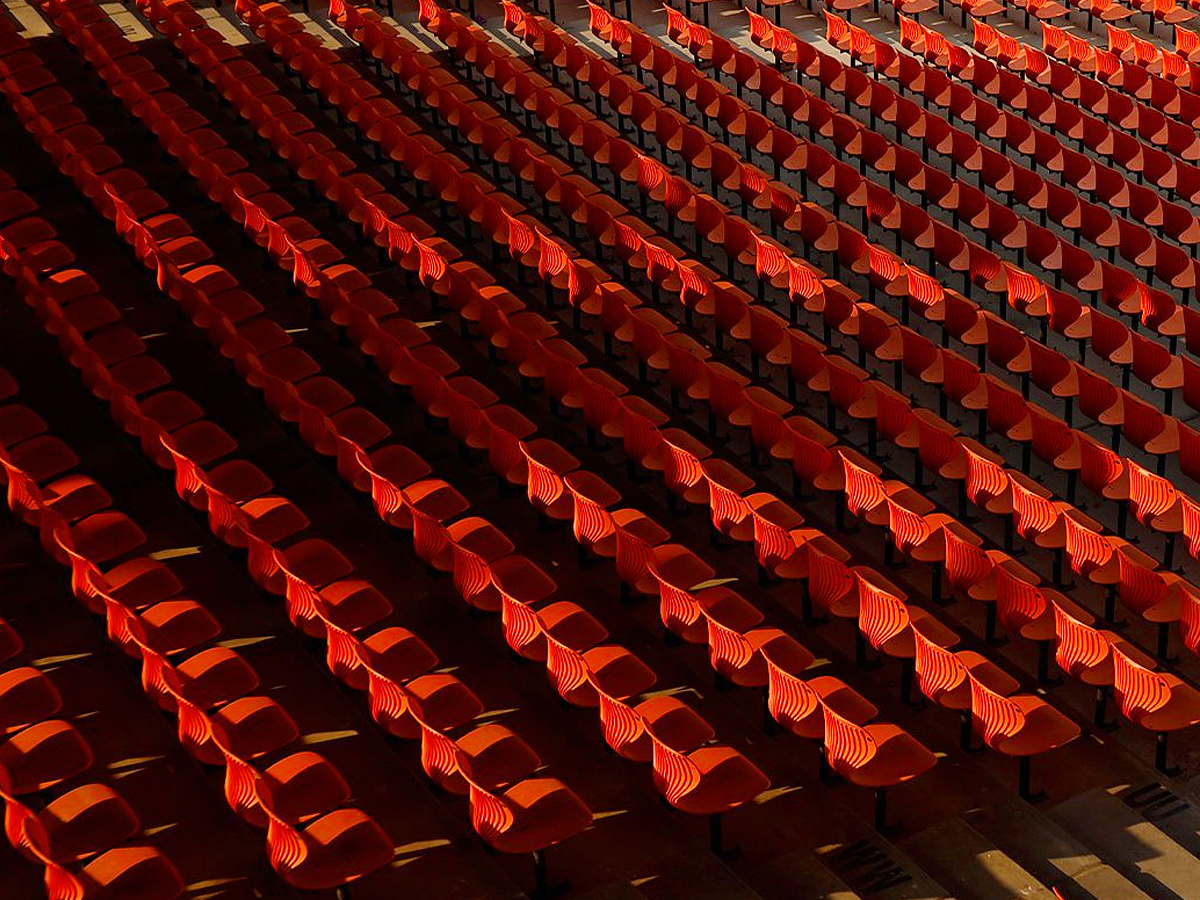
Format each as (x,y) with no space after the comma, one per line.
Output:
(627,727)
(738,649)
(88,820)
(795,703)
(1157,701)
(547,465)
(581,674)
(890,626)
(496,756)
(139,873)
(529,817)
(708,781)
(1023,726)
(43,755)
(877,756)
(944,676)
(338,848)
(26,696)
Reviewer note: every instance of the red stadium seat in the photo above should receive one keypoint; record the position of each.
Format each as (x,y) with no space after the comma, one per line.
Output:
(1157,701)
(875,756)
(1023,726)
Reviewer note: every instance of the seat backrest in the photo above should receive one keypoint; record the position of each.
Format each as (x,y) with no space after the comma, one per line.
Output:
(995,715)
(286,846)
(491,814)
(565,666)
(1150,495)
(472,574)
(385,495)
(1139,587)
(1087,549)
(1017,601)
(1033,513)
(909,529)
(864,489)
(938,670)
(789,697)
(544,485)
(966,564)
(1099,466)
(635,556)
(1079,646)
(1139,690)
(985,478)
(674,773)
(23,492)
(681,467)
(621,723)
(846,742)
(728,507)
(829,579)
(882,615)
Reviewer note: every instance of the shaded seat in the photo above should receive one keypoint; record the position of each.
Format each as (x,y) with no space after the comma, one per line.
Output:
(43,755)
(26,696)
(334,850)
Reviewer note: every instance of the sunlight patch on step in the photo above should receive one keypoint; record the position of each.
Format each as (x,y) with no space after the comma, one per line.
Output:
(325,737)
(175,553)
(213,883)
(416,847)
(609,814)
(236,643)
(30,20)
(56,660)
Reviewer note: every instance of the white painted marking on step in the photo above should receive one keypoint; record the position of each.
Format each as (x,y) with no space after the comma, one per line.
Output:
(126,21)
(223,26)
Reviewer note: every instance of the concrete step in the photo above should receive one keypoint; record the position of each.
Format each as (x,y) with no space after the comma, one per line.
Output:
(1055,855)
(1136,847)
(874,868)
(1170,811)
(970,865)
(798,874)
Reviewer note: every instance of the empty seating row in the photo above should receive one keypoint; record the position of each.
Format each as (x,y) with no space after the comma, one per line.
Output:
(80,836)
(574,691)
(312,576)
(1161,153)
(1047,303)
(992,339)
(208,687)
(1123,67)
(865,618)
(969,489)
(693,605)
(529,637)
(1156,306)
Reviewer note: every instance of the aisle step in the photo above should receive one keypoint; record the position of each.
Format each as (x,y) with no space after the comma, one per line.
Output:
(971,865)
(1136,847)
